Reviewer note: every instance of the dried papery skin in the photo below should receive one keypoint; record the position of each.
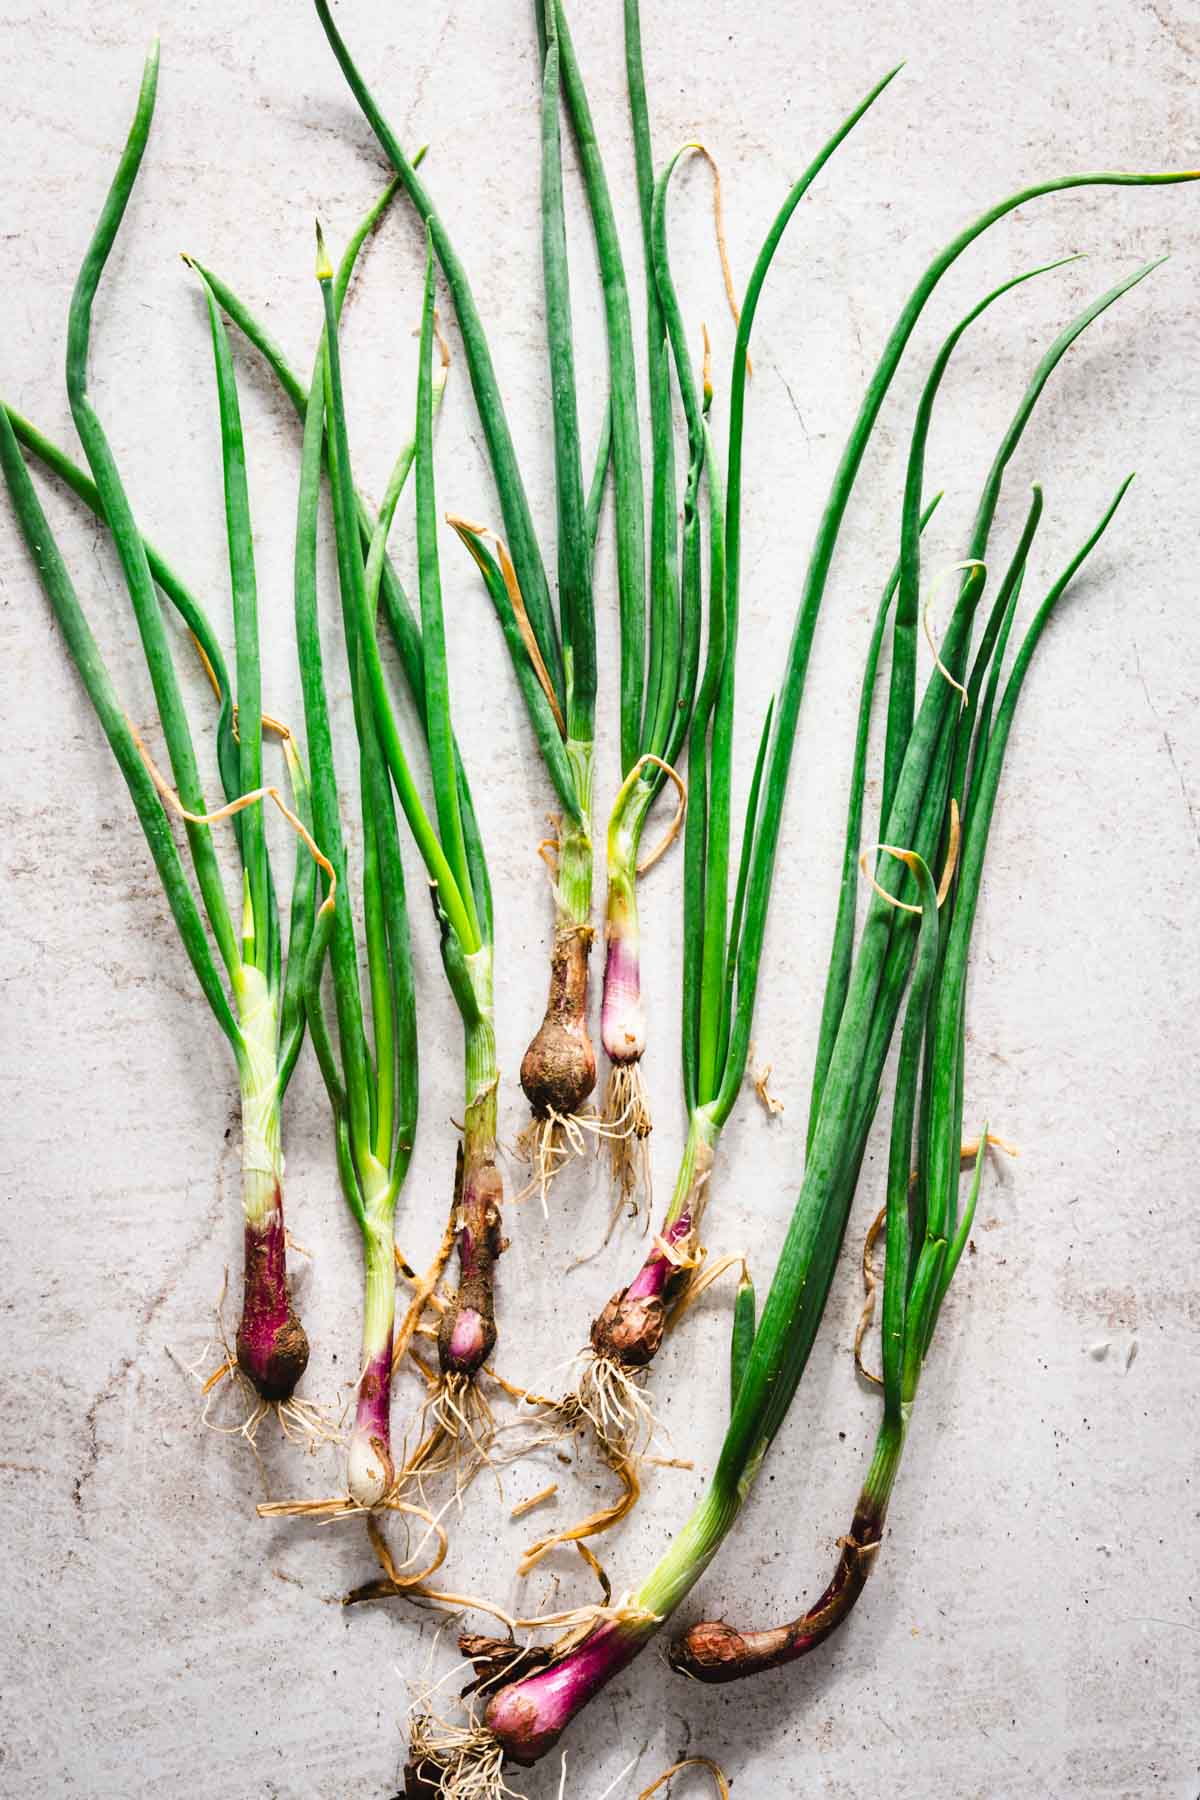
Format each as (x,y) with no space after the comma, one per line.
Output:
(493,1657)
(689,1762)
(630,1329)
(467,1328)
(625,1467)
(558,1071)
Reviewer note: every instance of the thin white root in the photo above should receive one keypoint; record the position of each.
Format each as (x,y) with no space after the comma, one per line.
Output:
(460,1762)
(615,1403)
(628,1126)
(539,1425)
(612,1787)
(460,1408)
(549,1145)
(456,1433)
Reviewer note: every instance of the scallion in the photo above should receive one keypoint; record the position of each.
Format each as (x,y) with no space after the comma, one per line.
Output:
(452,855)
(526,1717)
(258,1004)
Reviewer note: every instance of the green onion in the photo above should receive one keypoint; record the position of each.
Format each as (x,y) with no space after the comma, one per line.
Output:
(526,1718)
(918,1270)
(626,1336)
(383,583)
(670,650)
(558,1070)
(467,1331)
(373,1089)
(257,1002)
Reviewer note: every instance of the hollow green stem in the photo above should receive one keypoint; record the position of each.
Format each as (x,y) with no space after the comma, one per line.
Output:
(518,521)
(245,624)
(93,672)
(457,901)
(576,609)
(126,536)
(621,431)
(573,885)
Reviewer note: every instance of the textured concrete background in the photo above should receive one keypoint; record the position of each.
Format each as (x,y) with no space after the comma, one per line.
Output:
(1032,1627)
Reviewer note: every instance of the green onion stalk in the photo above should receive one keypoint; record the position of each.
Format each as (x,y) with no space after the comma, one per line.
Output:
(447,843)
(925,1237)
(256,992)
(372,1087)
(627,1334)
(525,1718)
(719,989)
(553,657)
(661,640)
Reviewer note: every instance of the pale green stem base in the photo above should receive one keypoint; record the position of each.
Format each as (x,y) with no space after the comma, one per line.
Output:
(573,887)
(262,1143)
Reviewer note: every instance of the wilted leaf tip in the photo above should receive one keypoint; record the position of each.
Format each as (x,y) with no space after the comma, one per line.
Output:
(324,266)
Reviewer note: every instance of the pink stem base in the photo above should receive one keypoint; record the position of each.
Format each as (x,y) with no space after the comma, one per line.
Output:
(272,1349)
(529,1717)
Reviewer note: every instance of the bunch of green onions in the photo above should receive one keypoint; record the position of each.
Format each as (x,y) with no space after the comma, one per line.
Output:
(941,769)
(930,754)
(364,1171)
(666,643)
(256,994)
(554,660)
(926,1235)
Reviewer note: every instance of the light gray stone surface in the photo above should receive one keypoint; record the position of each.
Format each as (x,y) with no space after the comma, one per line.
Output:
(1032,1627)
